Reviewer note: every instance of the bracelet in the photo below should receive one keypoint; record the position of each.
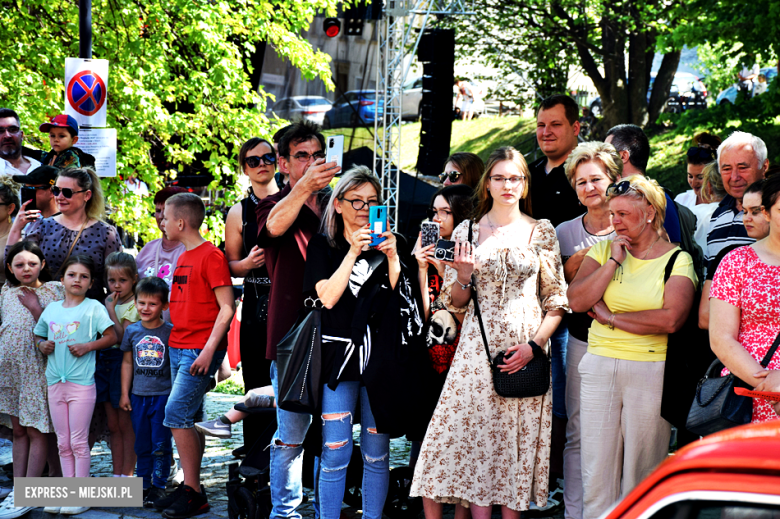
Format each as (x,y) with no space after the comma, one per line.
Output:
(611,322)
(534,346)
(462,286)
(616,261)
(38,344)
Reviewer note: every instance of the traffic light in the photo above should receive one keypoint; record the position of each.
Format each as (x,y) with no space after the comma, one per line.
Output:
(332,27)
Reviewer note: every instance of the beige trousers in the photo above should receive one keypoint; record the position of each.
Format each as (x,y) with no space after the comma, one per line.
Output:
(572,466)
(623,437)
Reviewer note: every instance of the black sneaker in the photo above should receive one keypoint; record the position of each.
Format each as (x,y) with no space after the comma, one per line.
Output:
(166,501)
(189,503)
(152,495)
(239,452)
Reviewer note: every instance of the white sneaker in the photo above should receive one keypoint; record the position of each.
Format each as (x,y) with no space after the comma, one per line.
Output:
(52,509)
(73,510)
(9,511)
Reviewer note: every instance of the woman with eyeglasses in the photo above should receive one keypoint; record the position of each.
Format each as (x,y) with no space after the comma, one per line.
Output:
(370,321)
(621,285)
(462,168)
(482,449)
(702,153)
(78,228)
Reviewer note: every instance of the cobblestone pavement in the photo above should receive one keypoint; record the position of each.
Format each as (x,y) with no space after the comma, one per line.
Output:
(214,473)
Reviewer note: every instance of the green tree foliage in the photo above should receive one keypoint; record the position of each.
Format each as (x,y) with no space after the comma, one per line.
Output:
(613,42)
(180,94)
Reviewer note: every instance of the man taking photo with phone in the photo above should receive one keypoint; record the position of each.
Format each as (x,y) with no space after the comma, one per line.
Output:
(37,199)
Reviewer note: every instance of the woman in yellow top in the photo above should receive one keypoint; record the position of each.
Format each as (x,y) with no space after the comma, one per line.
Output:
(621,285)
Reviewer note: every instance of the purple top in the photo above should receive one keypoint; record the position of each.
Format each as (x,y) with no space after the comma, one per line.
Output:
(97,241)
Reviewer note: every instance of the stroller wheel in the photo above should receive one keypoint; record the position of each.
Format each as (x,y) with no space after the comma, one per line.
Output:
(398,504)
(245,504)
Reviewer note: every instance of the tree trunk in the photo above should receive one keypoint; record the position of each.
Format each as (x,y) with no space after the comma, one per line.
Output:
(663,83)
(637,74)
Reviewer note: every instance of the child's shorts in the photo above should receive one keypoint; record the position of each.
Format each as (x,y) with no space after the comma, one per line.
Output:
(108,376)
(185,403)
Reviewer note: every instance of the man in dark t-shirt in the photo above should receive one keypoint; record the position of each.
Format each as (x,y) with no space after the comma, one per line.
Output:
(286,222)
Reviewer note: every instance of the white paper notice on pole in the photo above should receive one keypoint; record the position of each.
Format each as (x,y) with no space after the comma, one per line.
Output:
(101,144)
(86,90)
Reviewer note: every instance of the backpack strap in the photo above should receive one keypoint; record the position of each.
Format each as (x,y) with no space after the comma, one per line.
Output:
(670,265)
(771,352)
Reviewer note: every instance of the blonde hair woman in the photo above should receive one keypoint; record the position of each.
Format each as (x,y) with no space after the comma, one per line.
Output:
(482,449)
(621,285)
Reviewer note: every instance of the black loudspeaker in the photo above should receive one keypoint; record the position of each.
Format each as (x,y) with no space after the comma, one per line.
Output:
(437,53)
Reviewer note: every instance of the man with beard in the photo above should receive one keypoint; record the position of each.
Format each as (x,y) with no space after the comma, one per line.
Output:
(12,162)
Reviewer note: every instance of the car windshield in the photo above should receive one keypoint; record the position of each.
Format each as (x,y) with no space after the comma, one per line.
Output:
(313,101)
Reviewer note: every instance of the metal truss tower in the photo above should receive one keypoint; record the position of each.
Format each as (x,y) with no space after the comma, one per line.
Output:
(395,33)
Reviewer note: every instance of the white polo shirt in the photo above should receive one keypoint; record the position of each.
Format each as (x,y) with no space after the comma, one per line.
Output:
(7,169)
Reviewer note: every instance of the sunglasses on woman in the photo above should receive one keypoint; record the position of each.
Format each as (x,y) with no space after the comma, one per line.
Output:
(269,159)
(66,191)
(453,176)
(621,188)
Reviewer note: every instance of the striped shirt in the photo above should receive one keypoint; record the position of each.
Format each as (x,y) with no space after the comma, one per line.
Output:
(726,228)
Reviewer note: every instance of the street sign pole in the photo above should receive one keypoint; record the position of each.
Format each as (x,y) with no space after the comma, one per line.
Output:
(85,29)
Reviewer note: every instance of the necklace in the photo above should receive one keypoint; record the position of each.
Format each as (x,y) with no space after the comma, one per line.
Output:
(649,248)
(495,229)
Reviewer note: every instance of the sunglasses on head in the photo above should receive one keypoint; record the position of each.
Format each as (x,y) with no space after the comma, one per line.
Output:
(66,191)
(269,159)
(697,154)
(453,176)
(621,188)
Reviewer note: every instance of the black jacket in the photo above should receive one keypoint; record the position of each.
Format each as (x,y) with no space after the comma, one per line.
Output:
(552,197)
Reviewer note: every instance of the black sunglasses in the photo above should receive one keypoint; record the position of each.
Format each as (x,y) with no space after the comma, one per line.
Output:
(453,175)
(66,191)
(269,159)
(621,188)
(697,155)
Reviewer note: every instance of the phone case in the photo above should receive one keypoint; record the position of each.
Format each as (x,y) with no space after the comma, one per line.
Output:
(335,150)
(430,233)
(445,250)
(377,220)
(765,395)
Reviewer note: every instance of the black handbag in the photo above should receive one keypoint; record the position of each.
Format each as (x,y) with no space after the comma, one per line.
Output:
(532,380)
(717,406)
(299,362)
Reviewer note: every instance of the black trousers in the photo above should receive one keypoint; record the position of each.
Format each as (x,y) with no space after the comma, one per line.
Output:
(255,368)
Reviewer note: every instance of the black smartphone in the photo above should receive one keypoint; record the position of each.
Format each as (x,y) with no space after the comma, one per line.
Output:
(28,193)
(445,250)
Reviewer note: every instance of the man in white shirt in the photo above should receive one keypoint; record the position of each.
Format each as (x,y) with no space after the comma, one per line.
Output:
(12,161)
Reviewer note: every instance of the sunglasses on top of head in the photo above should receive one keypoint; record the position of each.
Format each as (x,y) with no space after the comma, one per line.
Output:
(269,159)
(66,191)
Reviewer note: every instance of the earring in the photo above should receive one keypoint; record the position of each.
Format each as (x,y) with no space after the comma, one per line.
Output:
(649,221)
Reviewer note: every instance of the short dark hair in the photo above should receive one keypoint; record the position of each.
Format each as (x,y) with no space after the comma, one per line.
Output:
(248,146)
(7,112)
(770,192)
(460,198)
(570,106)
(29,246)
(631,138)
(277,138)
(188,206)
(300,132)
(165,193)
(8,195)
(152,286)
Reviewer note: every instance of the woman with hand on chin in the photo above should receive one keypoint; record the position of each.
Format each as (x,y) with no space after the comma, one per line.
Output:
(482,449)
(621,285)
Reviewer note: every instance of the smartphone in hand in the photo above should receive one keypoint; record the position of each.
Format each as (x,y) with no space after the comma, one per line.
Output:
(377,220)
(429,234)
(28,193)
(335,151)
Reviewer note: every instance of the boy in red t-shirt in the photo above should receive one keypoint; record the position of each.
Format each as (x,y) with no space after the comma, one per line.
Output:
(201,306)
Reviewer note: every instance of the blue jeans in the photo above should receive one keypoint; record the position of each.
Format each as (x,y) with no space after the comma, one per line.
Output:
(558,346)
(337,452)
(287,461)
(152,439)
(185,403)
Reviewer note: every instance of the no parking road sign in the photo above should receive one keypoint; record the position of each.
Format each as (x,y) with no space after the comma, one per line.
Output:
(86,82)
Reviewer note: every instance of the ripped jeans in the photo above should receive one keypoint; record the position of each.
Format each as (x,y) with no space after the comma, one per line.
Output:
(337,451)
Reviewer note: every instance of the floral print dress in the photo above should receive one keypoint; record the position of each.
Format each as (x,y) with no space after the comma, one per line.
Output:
(744,281)
(23,388)
(481,448)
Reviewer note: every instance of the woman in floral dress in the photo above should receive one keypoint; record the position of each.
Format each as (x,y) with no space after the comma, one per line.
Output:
(482,449)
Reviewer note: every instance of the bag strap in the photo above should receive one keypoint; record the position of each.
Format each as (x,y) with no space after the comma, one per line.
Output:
(670,265)
(72,245)
(771,352)
(474,298)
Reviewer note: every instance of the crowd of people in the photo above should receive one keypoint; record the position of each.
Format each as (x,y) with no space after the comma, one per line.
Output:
(578,257)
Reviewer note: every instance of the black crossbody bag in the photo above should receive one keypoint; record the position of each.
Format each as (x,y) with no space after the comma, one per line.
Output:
(532,380)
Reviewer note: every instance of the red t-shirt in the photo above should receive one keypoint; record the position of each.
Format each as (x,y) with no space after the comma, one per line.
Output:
(194,307)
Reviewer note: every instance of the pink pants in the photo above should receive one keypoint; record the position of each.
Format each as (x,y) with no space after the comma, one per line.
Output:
(71,407)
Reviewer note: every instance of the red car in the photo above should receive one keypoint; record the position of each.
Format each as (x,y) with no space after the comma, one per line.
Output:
(731,474)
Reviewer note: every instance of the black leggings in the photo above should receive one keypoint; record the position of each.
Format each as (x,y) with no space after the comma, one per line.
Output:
(255,368)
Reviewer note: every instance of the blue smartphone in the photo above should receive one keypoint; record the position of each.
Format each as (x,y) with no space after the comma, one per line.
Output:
(377,220)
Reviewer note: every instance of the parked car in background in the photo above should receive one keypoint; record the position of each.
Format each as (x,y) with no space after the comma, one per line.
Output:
(730,94)
(311,108)
(687,92)
(353,109)
(733,474)
(412,99)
